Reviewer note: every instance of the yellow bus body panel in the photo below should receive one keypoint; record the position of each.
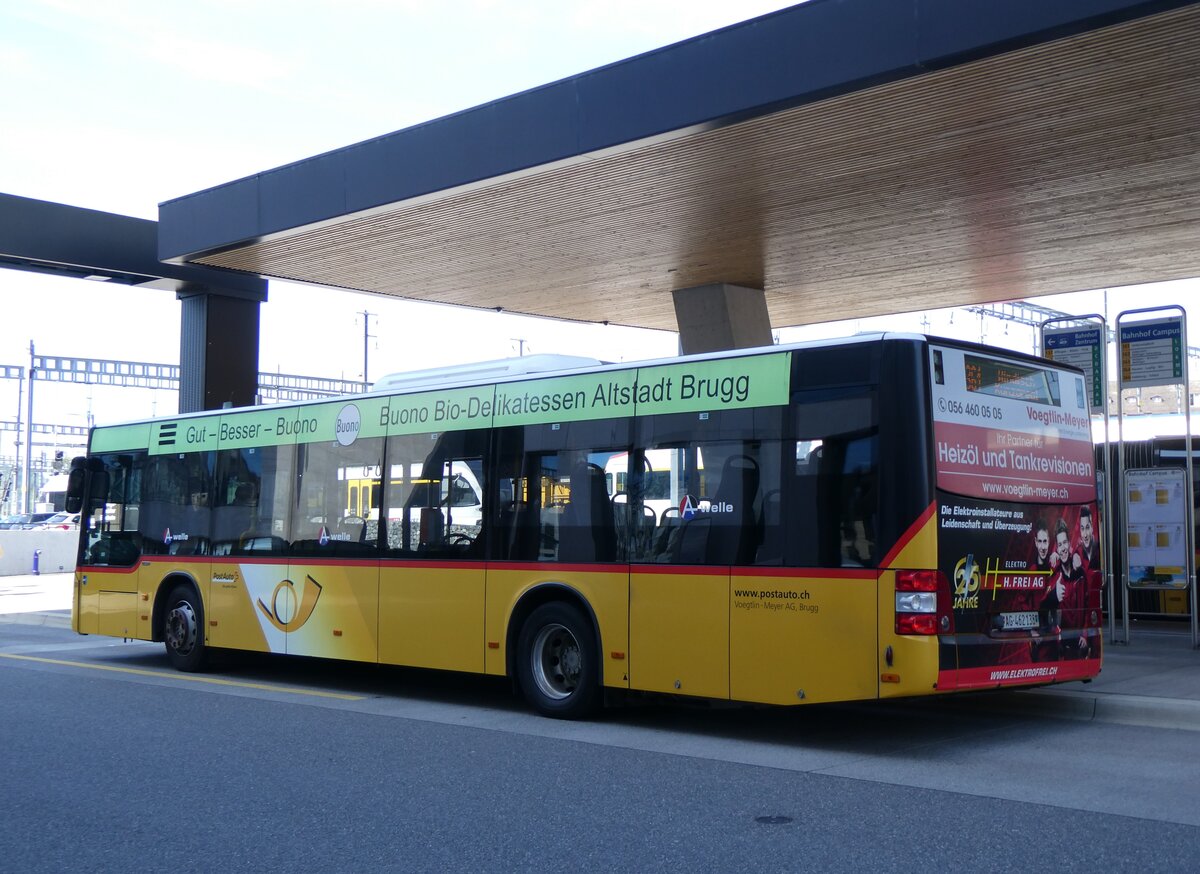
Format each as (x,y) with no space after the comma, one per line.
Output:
(679,632)
(333,612)
(914,657)
(97,611)
(605,592)
(800,639)
(431,617)
(152,576)
(117,614)
(76,581)
(921,549)
(234,619)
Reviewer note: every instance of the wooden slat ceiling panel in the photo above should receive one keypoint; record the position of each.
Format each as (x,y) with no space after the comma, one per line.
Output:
(1068,166)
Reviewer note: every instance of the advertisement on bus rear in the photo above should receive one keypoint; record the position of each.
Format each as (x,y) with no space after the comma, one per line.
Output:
(1017,519)
(1025,582)
(1010,430)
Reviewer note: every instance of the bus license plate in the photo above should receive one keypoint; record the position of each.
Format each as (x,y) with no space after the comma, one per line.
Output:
(1011,621)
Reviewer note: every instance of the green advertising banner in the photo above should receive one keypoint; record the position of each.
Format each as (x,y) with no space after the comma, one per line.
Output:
(121,437)
(724,384)
(457,409)
(565,399)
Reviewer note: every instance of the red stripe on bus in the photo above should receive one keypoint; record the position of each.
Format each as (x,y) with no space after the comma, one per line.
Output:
(106,569)
(313,561)
(807,573)
(590,568)
(913,530)
(681,569)
(523,566)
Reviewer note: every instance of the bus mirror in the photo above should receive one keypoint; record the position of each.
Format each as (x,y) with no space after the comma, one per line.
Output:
(98,491)
(76,481)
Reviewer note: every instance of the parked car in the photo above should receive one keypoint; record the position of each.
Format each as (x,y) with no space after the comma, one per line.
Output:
(63,521)
(36,520)
(15,521)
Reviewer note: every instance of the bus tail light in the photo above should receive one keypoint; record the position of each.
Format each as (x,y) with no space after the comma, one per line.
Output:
(923,603)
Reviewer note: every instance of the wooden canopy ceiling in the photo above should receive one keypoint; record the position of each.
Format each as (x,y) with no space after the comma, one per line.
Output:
(1067,165)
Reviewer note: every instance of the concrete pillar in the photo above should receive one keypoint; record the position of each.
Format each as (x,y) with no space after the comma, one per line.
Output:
(218,349)
(712,318)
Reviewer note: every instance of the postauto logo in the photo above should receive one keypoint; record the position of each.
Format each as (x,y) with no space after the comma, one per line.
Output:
(289,611)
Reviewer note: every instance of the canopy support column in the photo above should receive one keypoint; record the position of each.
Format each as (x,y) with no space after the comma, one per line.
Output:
(218,349)
(715,317)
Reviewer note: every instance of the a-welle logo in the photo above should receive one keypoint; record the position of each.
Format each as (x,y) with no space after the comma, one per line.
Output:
(288,611)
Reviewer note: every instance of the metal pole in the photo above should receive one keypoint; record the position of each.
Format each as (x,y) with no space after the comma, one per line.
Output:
(366,345)
(16,492)
(25,490)
(1190,514)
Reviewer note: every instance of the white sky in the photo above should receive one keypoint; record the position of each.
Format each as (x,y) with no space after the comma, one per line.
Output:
(122,104)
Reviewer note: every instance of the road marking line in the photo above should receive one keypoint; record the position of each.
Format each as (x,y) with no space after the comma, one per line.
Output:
(216,681)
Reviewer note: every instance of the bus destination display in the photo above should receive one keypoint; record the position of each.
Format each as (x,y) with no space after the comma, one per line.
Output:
(1005,379)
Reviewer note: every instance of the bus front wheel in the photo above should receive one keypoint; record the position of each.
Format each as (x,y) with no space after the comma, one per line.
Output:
(183,629)
(557,665)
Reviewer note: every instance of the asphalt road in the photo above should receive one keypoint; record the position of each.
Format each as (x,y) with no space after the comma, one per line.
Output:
(111,760)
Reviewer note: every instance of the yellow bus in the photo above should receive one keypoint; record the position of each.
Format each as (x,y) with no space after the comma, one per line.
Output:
(882,516)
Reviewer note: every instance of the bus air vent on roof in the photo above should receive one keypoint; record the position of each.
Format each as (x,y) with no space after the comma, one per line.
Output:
(482,370)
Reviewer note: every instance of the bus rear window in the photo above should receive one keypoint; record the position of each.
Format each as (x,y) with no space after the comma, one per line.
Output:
(1006,430)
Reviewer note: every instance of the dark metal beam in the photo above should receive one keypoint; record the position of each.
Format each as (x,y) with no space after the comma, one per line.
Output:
(45,237)
(789,58)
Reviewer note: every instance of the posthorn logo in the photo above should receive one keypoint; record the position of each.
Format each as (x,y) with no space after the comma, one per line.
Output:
(290,610)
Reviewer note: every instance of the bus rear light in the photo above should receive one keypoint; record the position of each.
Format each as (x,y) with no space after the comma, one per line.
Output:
(923,603)
(916,623)
(917,581)
(916,602)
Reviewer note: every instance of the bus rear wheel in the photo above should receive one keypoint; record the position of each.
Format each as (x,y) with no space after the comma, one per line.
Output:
(183,629)
(557,665)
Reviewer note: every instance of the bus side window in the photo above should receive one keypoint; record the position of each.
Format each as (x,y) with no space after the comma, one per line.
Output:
(553,500)
(859,502)
(829,506)
(434,495)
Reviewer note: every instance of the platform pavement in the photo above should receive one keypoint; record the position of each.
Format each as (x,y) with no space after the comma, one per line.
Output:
(1152,681)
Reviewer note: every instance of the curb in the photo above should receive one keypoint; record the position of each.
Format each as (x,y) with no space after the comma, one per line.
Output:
(1143,710)
(49,618)
(1148,711)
